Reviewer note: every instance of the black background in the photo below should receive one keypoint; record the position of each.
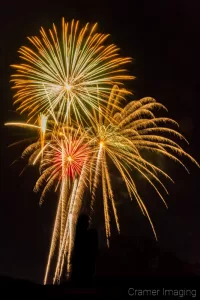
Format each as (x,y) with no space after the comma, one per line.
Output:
(163,39)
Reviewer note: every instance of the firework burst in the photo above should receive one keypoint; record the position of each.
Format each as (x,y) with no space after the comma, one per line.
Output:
(122,137)
(62,72)
(64,166)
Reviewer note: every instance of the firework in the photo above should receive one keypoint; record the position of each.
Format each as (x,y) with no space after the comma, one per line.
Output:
(71,88)
(63,155)
(64,164)
(60,75)
(123,137)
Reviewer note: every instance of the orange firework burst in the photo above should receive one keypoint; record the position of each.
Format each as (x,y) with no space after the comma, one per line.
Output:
(62,71)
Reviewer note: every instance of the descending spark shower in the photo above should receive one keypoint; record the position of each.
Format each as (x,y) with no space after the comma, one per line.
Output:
(70,86)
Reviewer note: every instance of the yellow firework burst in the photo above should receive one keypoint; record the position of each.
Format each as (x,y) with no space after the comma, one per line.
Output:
(123,136)
(62,72)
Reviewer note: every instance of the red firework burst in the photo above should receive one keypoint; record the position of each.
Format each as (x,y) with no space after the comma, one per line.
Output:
(70,156)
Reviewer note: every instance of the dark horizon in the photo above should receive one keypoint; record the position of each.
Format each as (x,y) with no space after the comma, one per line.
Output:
(162,38)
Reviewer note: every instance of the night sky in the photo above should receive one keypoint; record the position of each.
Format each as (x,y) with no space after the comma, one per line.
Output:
(163,39)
